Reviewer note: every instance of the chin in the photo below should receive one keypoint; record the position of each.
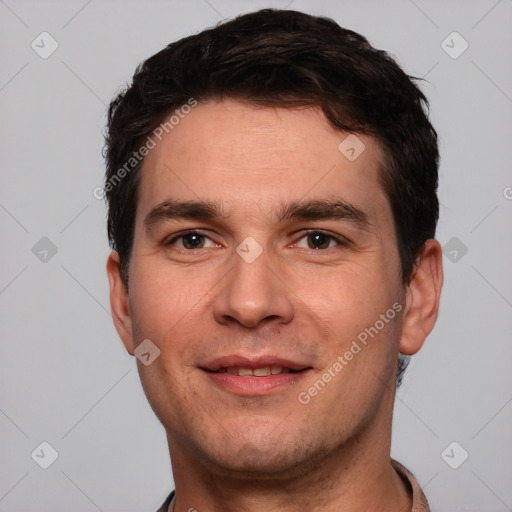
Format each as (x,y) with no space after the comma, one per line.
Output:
(254,464)
(265,459)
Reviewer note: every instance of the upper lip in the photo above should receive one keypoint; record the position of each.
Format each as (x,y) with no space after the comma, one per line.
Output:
(253,362)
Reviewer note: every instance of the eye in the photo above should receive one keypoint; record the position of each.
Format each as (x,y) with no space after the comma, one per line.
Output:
(190,240)
(321,240)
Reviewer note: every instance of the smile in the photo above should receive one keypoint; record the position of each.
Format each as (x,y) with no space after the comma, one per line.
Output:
(255,372)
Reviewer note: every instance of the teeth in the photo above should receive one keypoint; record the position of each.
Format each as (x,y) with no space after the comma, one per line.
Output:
(256,372)
(261,372)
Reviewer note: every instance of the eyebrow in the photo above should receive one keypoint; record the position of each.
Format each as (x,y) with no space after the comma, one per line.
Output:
(325,209)
(317,209)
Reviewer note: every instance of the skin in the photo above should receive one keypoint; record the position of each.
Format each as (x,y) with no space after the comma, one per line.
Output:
(270,452)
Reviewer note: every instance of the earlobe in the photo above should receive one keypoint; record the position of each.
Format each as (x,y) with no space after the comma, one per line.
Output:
(422,298)
(119,303)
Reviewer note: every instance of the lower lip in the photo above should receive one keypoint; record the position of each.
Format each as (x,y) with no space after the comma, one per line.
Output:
(255,386)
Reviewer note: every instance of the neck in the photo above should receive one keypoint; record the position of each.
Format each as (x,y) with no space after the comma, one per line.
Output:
(356,476)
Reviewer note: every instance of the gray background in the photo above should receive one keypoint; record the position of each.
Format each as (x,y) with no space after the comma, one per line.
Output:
(65,377)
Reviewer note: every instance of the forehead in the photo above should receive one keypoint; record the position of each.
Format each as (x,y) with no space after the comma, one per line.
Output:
(253,160)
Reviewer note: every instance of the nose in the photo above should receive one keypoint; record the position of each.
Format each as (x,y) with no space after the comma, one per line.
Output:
(253,294)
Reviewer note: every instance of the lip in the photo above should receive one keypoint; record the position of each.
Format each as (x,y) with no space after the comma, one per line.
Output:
(252,362)
(252,385)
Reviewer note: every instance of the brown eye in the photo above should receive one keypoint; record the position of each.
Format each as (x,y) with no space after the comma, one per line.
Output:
(193,241)
(189,241)
(319,241)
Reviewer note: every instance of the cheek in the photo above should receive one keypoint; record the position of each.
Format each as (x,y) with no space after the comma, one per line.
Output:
(351,306)
(350,298)
(164,300)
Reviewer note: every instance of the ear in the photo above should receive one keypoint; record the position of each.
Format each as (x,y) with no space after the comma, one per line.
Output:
(119,303)
(422,298)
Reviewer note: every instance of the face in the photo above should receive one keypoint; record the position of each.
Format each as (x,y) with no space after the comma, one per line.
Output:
(276,303)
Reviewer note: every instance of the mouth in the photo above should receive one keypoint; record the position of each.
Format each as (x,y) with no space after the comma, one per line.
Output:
(254,376)
(264,371)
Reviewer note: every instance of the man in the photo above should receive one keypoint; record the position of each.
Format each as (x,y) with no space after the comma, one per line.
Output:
(271,185)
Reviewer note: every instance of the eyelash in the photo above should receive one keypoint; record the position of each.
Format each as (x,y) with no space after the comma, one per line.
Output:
(342,241)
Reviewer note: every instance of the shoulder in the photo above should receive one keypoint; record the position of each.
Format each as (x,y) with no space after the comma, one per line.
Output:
(419,500)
